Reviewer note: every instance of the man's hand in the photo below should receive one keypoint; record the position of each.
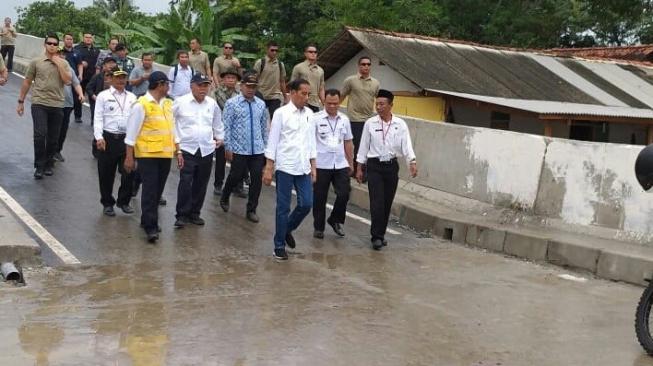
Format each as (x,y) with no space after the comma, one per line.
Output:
(101,144)
(359,174)
(313,174)
(58,60)
(228,156)
(85,64)
(218,143)
(180,161)
(81,98)
(20,109)
(350,171)
(130,164)
(235,63)
(267,174)
(413,169)
(3,81)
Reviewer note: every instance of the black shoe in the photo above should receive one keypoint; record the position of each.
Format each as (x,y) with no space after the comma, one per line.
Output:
(281,254)
(318,234)
(180,222)
(385,243)
(108,210)
(78,120)
(152,237)
(163,202)
(224,205)
(58,157)
(38,174)
(158,228)
(241,193)
(252,216)
(127,209)
(48,172)
(337,227)
(217,191)
(290,241)
(377,244)
(196,220)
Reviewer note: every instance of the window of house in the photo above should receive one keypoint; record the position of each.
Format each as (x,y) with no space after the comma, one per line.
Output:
(500,121)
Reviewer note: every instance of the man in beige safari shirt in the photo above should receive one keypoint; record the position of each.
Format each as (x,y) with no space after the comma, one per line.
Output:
(271,78)
(225,62)
(311,71)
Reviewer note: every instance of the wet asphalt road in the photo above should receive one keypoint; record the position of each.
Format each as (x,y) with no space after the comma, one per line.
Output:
(213,295)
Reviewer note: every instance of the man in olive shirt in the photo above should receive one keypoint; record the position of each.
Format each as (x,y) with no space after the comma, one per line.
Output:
(8,40)
(225,62)
(49,73)
(311,71)
(198,59)
(271,78)
(362,90)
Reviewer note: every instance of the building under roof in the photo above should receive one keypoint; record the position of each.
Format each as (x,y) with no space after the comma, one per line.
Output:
(543,92)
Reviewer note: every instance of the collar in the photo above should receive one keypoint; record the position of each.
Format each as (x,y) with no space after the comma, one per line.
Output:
(199,52)
(243,99)
(309,64)
(187,67)
(364,78)
(227,57)
(324,115)
(114,90)
(379,121)
(193,100)
(293,108)
(269,60)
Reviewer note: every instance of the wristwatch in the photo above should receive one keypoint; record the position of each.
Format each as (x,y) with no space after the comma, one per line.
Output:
(20,101)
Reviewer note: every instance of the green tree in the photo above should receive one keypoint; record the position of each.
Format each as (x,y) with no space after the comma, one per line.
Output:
(618,22)
(59,16)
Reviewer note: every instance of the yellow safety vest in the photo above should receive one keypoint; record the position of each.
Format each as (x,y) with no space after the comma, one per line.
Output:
(156,139)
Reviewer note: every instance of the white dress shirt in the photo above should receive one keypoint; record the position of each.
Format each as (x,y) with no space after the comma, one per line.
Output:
(136,118)
(197,125)
(330,136)
(181,85)
(381,139)
(112,110)
(291,143)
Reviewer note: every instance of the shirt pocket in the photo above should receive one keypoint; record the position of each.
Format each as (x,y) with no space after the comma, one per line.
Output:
(323,129)
(150,144)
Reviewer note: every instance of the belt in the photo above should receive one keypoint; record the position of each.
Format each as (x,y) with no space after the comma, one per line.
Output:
(376,160)
(115,136)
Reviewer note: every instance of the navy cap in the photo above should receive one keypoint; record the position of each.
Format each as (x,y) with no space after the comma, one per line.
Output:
(120,47)
(200,79)
(157,77)
(109,59)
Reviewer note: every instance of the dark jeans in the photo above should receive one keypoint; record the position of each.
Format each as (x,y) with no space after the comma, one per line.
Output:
(64,127)
(47,125)
(357,131)
(193,179)
(382,179)
(272,105)
(112,158)
(341,185)
(154,173)
(288,223)
(8,54)
(220,163)
(239,167)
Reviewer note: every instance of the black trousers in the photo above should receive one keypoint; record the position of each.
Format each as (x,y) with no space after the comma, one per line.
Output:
(154,173)
(112,158)
(77,106)
(382,180)
(357,131)
(47,125)
(64,127)
(220,163)
(193,179)
(272,105)
(341,185)
(239,167)
(8,54)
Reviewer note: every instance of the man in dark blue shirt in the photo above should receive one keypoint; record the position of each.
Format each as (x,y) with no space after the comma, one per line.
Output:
(75,60)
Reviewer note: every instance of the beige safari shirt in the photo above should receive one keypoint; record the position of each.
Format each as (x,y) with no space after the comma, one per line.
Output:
(362,93)
(48,87)
(314,74)
(199,62)
(222,64)
(269,80)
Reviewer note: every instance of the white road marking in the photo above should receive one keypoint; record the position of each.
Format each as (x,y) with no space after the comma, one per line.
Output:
(22,77)
(59,250)
(572,278)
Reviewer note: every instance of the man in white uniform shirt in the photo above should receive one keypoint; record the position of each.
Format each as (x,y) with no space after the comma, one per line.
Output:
(180,75)
(335,164)
(290,155)
(199,130)
(112,108)
(385,136)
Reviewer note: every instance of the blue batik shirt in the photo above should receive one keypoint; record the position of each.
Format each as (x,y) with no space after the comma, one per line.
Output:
(245,125)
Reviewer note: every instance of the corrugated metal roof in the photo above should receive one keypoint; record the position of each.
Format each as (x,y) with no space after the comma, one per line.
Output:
(502,74)
(555,108)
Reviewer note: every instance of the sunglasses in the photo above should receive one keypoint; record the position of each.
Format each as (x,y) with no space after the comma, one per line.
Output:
(52,43)
(274,50)
(366,64)
(311,51)
(228,48)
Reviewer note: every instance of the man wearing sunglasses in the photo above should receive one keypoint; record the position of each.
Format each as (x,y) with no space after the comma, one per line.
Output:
(225,62)
(272,78)
(311,71)
(49,73)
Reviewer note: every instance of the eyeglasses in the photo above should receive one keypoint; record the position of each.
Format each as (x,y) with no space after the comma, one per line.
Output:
(52,43)
(228,48)
(274,50)
(366,64)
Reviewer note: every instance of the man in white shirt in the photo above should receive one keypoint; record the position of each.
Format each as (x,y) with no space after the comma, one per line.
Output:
(112,108)
(180,75)
(290,154)
(335,163)
(384,137)
(199,130)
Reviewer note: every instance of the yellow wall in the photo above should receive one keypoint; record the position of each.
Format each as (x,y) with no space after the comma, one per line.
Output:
(429,108)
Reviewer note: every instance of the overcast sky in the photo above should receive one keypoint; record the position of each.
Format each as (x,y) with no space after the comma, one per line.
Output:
(8,7)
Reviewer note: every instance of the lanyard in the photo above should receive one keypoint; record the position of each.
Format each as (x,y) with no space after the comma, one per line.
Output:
(124,101)
(333,128)
(384,132)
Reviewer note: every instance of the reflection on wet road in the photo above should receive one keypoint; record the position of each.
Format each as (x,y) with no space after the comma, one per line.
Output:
(213,295)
